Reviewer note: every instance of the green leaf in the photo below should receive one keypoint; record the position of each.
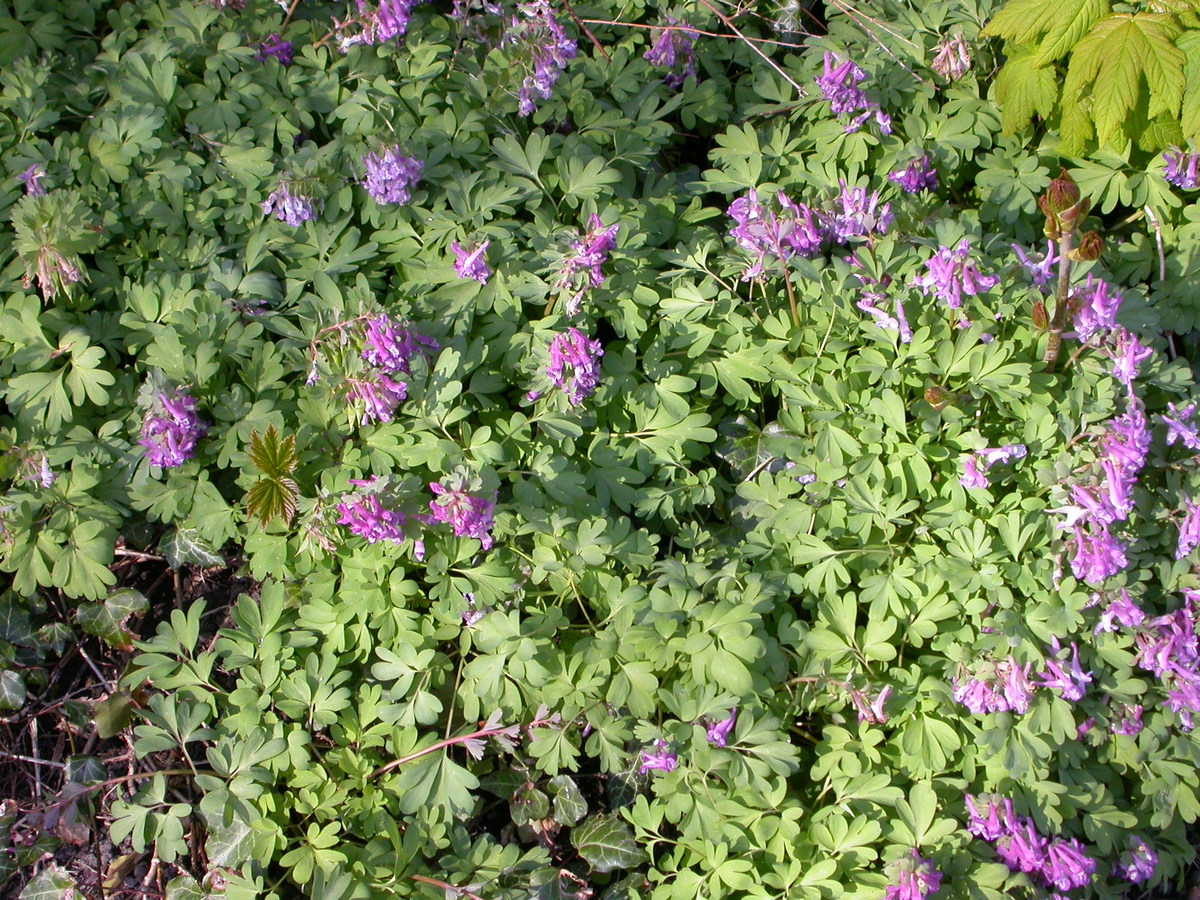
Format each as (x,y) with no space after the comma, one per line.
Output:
(185,887)
(569,803)
(52,883)
(113,714)
(1022,21)
(1022,89)
(273,455)
(184,546)
(607,843)
(107,619)
(1189,112)
(1072,20)
(12,689)
(271,498)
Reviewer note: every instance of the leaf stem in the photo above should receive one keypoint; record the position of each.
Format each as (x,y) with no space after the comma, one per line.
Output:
(1050,358)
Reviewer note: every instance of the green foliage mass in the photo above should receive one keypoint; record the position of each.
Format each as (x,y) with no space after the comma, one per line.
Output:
(754,510)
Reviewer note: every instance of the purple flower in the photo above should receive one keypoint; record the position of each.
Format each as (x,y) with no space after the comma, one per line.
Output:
(771,236)
(391,347)
(588,255)
(387,21)
(916,878)
(976,477)
(1066,866)
(919,175)
(368,518)
(275,46)
(839,82)
(1128,354)
(1182,168)
(871,712)
(291,209)
(952,60)
(1180,427)
(1042,273)
(1124,611)
(390,175)
(859,214)
(1070,682)
(35,470)
(979,696)
(659,759)
(1097,308)
(547,46)
(466,514)
(32,179)
(1015,685)
(673,49)
(470,262)
(1130,721)
(996,686)
(950,274)
(1098,555)
(378,394)
(718,732)
(1138,863)
(1127,441)
(170,429)
(574,365)
(1189,530)
(1021,848)
(995,819)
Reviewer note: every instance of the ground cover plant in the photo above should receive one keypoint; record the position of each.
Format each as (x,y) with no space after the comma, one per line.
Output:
(595,450)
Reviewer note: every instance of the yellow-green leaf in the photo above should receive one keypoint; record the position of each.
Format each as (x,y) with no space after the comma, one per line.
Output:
(1022,89)
(1072,20)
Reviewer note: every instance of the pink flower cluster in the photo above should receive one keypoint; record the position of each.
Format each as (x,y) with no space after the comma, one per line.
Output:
(976,466)
(389,350)
(171,428)
(372,513)
(467,514)
(587,257)
(1168,647)
(916,878)
(839,83)
(950,274)
(1055,863)
(574,365)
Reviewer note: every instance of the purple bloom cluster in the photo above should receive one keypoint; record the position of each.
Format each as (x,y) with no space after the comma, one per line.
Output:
(391,347)
(660,759)
(466,514)
(871,711)
(275,46)
(1096,308)
(470,262)
(1128,354)
(874,291)
(378,394)
(588,255)
(950,274)
(996,686)
(976,466)
(1180,426)
(1168,647)
(1138,863)
(1122,611)
(291,209)
(1054,862)
(718,732)
(390,175)
(952,60)
(799,230)
(673,50)
(371,514)
(1043,272)
(1183,169)
(574,365)
(919,175)
(839,83)
(32,179)
(385,22)
(170,429)
(548,47)
(1070,682)
(916,878)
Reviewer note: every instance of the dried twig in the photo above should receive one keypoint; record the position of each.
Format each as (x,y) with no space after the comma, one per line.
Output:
(753,46)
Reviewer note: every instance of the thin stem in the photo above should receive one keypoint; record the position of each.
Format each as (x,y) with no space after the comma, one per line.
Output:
(288,18)
(753,46)
(715,34)
(1060,301)
(448,742)
(446,886)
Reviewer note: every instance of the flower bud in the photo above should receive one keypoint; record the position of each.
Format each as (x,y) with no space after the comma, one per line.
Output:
(1051,226)
(1062,193)
(1041,319)
(1089,249)
(938,397)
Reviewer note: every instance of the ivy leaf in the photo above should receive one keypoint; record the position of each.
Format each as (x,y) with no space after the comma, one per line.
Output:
(52,883)
(569,804)
(607,843)
(12,689)
(184,546)
(107,619)
(1023,88)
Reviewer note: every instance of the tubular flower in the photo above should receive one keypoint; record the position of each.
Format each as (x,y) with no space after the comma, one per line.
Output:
(466,514)
(378,394)
(769,236)
(660,759)
(387,21)
(1070,682)
(919,175)
(548,48)
(1189,530)
(915,878)
(291,209)
(976,465)
(1041,273)
(390,175)
(391,347)
(857,214)
(1183,169)
(952,60)
(368,518)
(950,274)
(470,262)
(32,179)
(170,429)
(276,47)
(1138,863)
(588,256)
(574,365)
(839,83)
(1097,308)
(718,732)
(673,49)
(1180,426)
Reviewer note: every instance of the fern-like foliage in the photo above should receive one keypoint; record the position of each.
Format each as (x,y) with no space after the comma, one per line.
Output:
(1129,76)
(275,494)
